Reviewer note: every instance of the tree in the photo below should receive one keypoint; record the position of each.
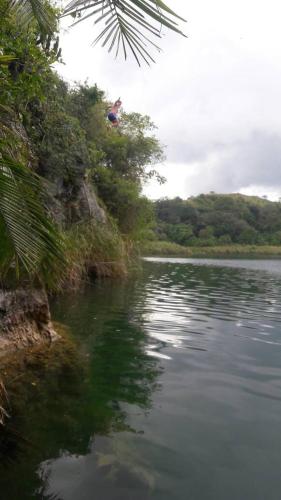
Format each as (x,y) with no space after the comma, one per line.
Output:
(225,239)
(179,233)
(121,164)
(133,153)
(175,211)
(248,236)
(206,232)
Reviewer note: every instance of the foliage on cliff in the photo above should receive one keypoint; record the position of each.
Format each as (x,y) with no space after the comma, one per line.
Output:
(60,155)
(30,243)
(73,143)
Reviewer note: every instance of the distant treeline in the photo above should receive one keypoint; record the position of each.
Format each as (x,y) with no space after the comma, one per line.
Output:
(218,219)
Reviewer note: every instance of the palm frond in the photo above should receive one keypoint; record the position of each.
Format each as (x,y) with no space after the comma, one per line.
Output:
(127,23)
(6,60)
(27,11)
(28,237)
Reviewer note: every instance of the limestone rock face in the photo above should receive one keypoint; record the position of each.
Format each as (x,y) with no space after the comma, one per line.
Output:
(68,198)
(24,319)
(72,202)
(89,206)
(77,203)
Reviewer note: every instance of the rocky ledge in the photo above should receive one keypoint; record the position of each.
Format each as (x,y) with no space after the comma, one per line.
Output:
(24,319)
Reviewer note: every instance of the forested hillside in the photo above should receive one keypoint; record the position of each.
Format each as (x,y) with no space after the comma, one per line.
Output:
(218,219)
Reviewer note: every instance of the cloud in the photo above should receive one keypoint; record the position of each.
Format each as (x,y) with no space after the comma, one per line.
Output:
(249,165)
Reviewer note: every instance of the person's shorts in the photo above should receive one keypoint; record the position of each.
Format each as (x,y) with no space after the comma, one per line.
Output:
(112,117)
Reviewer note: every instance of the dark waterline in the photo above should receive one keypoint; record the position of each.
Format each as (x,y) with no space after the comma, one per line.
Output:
(176,393)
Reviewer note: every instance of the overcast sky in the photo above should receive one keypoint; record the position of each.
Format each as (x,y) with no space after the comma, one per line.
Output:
(214,96)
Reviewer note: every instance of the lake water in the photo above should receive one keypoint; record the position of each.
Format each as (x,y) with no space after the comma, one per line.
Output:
(176,394)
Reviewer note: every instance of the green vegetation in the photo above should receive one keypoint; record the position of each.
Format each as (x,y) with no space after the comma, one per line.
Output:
(94,250)
(127,24)
(28,238)
(70,186)
(30,244)
(215,220)
(61,161)
(166,248)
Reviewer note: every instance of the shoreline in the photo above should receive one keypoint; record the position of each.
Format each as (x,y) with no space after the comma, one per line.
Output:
(167,249)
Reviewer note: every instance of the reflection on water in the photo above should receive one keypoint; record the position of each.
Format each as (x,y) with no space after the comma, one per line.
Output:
(176,393)
(215,294)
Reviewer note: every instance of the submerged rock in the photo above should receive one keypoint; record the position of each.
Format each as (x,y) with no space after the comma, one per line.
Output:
(24,319)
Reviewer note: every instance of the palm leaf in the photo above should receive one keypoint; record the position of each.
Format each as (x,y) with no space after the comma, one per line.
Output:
(6,60)
(28,238)
(126,22)
(28,11)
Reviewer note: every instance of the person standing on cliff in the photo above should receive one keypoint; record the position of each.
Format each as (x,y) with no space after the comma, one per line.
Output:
(112,115)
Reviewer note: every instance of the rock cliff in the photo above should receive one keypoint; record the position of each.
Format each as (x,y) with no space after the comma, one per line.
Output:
(24,313)
(24,319)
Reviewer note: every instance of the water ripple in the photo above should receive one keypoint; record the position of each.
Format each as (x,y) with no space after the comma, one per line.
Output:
(201,303)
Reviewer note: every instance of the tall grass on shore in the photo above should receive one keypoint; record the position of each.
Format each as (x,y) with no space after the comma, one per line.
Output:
(94,250)
(158,248)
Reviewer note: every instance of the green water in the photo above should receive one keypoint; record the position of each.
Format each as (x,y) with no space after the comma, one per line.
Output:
(173,392)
